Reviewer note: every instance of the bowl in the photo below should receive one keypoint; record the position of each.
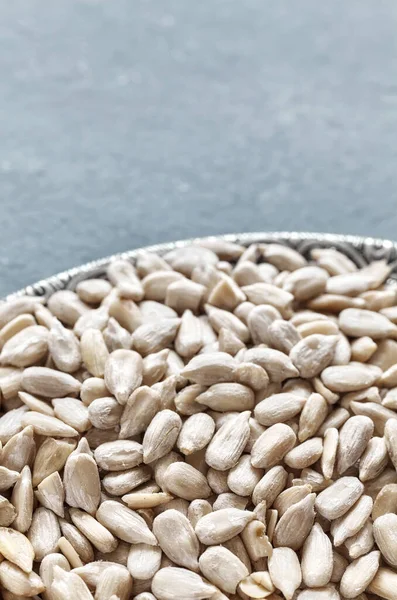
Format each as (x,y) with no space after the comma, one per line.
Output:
(361,250)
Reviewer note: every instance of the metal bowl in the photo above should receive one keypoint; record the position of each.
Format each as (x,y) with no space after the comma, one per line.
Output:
(361,250)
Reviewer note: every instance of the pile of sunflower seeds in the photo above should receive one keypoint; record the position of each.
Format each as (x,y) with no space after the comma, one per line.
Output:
(219,422)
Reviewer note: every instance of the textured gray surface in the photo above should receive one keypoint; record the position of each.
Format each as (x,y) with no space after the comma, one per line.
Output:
(125,123)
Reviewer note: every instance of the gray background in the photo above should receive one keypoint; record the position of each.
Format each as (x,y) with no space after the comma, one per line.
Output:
(127,122)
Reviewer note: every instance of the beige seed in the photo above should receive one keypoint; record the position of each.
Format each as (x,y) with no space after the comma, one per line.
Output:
(362,542)
(44,532)
(256,541)
(196,433)
(282,561)
(154,367)
(124,523)
(230,500)
(139,411)
(282,335)
(348,378)
(177,539)
(349,524)
(270,486)
(384,584)
(207,369)
(19,583)
(93,291)
(338,498)
(126,313)
(317,559)
(35,404)
(226,397)
(22,499)
(51,457)
(386,354)
(222,525)
(272,446)
(385,531)
(290,496)
(359,575)
(295,524)
(115,581)
(15,326)
(69,552)
(243,477)
(81,479)
(198,509)
(278,408)
(391,439)
(49,383)
(48,426)
(16,548)
(251,375)
(318,327)
(266,293)
(121,273)
(19,451)
(283,257)
(385,501)
(363,348)
(373,487)
(79,541)
(358,323)
(25,348)
(186,482)
(105,413)
(306,283)
(172,583)
(161,435)
(313,354)
(47,566)
(376,412)
(353,439)
(98,535)
(50,493)
(7,478)
(91,572)
(67,586)
(228,443)
(116,337)
(123,373)
(184,294)
(153,337)
(64,348)
(305,454)
(320,388)
(330,448)
(313,414)
(142,500)
(257,585)
(93,388)
(7,512)
(259,321)
(278,366)
(118,455)
(72,412)
(94,352)
(143,561)
(374,459)
(229,342)
(118,483)
(222,568)
(220,319)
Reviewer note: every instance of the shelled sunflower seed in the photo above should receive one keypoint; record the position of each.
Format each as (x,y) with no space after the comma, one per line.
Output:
(218,422)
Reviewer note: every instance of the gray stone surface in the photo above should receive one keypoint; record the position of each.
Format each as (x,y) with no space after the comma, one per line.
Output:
(132,122)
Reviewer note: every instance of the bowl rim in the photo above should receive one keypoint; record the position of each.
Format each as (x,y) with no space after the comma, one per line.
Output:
(61,280)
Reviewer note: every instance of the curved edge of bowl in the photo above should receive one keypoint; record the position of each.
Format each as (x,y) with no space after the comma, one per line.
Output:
(360,249)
